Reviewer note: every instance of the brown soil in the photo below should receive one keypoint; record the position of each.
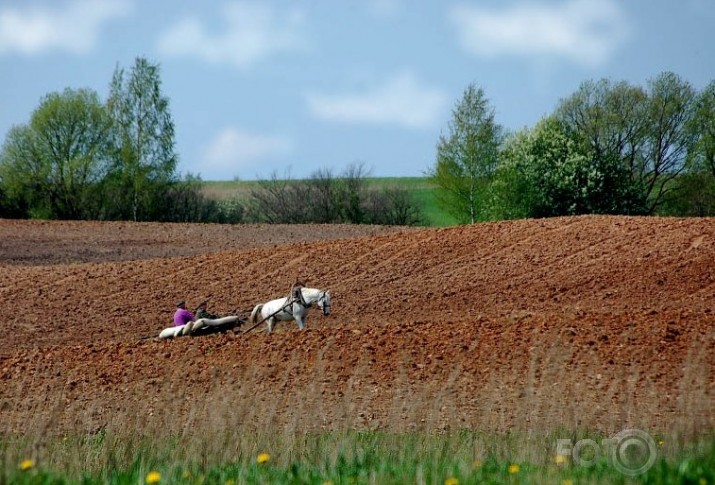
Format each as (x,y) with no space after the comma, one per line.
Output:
(601,322)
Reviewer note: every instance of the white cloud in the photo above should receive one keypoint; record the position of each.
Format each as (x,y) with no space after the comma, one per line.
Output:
(585,32)
(74,27)
(252,31)
(234,150)
(399,100)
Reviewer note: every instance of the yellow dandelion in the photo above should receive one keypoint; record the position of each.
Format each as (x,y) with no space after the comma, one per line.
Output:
(476,463)
(568,481)
(26,465)
(660,442)
(451,481)
(514,468)
(561,459)
(230,482)
(186,475)
(702,481)
(263,458)
(153,477)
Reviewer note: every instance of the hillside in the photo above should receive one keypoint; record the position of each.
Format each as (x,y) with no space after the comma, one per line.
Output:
(590,321)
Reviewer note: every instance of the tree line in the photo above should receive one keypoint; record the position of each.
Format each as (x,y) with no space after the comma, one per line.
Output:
(81,158)
(609,148)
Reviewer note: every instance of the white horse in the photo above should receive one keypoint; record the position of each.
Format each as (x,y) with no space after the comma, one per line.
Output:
(294,307)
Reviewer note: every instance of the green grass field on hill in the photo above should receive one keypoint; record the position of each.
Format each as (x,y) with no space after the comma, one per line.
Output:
(424,193)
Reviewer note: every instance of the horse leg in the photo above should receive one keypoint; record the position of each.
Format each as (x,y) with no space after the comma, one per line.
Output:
(299,321)
(270,321)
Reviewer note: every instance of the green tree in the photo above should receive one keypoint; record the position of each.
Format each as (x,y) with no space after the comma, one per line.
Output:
(549,172)
(703,129)
(647,130)
(608,119)
(512,194)
(467,157)
(693,191)
(694,195)
(53,165)
(669,139)
(143,141)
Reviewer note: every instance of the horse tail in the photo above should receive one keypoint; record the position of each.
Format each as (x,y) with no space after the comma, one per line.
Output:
(254,313)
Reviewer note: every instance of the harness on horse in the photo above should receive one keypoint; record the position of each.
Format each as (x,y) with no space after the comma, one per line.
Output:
(297,295)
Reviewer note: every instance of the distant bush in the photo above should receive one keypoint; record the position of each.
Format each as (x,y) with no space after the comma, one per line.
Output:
(392,207)
(325,198)
(185,202)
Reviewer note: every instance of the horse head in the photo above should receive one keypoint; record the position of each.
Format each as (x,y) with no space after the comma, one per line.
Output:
(324,302)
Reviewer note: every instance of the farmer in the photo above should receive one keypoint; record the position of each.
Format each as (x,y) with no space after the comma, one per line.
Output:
(202,312)
(182,316)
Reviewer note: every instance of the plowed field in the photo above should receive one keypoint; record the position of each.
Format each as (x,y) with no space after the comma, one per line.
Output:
(598,322)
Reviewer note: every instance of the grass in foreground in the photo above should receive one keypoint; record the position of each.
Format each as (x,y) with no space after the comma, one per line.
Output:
(342,458)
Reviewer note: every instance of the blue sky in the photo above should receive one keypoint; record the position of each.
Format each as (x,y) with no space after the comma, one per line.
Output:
(288,87)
